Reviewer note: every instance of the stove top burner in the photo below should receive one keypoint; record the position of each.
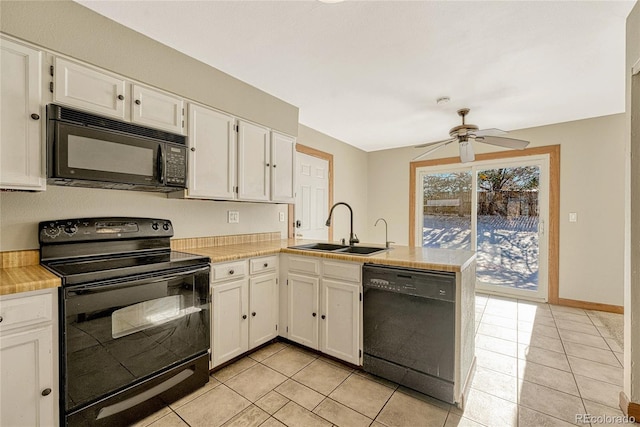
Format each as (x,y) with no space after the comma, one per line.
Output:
(89,250)
(74,271)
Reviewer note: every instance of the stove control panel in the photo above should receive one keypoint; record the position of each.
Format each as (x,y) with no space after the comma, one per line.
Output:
(107,228)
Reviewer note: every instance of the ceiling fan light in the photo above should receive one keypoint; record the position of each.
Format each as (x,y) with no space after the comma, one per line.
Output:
(466,152)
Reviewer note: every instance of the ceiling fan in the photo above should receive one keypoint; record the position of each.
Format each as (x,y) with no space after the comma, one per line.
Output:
(465,133)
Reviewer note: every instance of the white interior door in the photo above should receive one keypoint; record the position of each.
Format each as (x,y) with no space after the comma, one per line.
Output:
(312,197)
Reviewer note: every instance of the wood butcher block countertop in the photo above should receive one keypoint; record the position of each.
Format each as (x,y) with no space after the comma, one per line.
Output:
(20,271)
(400,256)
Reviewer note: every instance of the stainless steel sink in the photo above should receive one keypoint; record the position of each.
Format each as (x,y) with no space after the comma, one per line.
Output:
(337,249)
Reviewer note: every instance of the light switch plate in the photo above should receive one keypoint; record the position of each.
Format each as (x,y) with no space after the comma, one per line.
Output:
(281,216)
(573,217)
(233,217)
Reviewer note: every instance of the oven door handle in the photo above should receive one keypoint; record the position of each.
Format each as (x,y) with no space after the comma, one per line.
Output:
(97,288)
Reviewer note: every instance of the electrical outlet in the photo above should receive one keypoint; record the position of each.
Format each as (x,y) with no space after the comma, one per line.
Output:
(281,216)
(233,217)
(573,217)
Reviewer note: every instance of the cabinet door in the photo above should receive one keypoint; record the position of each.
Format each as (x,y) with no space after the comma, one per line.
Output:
(340,320)
(282,167)
(157,109)
(303,309)
(212,156)
(88,89)
(21,153)
(27,386)
(230,322)
(263,303)
(254,165)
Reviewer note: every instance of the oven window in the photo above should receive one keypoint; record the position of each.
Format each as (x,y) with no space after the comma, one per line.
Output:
(145,315)
(118,334)
(106,156)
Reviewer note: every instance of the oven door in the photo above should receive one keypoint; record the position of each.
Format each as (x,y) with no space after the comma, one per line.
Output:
(119,334)
(89,153)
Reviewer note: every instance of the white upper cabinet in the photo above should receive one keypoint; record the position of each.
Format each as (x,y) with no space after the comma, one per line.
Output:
(88,89)
(157,109)
(21,118)
(254,167)
(212,154)
(282,167)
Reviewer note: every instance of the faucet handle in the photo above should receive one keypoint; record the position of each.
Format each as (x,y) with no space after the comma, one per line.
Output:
(343,241)
(354,240)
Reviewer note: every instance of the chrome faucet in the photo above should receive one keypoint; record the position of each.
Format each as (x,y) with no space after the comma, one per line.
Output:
(386,229)
(353,239)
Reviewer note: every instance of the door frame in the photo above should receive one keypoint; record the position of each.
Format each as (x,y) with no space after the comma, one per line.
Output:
(554,203)
(291,210)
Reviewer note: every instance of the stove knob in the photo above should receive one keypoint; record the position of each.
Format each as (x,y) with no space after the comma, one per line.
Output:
(154,225)
(70,229)
(165,226)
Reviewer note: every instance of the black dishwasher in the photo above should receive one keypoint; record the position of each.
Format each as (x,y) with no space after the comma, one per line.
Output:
(409,328)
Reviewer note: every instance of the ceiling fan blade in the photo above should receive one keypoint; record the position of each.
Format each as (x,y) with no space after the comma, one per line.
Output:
(517,144)
(428,144)
(426,153)
(490,132)
(466,152)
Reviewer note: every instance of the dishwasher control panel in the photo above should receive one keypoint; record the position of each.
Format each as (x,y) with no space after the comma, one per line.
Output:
(419,283)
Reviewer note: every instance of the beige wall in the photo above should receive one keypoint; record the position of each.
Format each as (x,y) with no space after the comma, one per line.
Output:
(20,213)
(632,220)
(69,28)
(350,181)
(591,184)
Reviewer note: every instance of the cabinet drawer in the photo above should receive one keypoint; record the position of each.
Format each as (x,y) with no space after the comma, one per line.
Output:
(228,270)
(342,270)
(25,311)
(262,265)
(307,265)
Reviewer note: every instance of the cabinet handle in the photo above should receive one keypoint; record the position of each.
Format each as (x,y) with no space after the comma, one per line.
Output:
(266,264)
(313,314)
(35,116)
(253,314)
(274,166)
(193,148)
(121,97)
(268,165)
(244,316)
(137,101)
(231,272)
(46,392)
(1,319)
(323,317)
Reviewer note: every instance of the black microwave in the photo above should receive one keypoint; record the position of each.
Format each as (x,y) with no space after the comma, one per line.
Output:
(86,150)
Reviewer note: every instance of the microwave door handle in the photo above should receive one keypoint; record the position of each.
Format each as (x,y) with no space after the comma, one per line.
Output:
(160,164)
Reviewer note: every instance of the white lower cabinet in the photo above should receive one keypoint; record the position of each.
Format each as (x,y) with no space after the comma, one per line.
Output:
(244,311)
(28,390)
(324,306)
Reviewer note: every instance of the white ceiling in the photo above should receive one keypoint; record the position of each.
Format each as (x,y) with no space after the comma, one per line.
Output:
(369,72)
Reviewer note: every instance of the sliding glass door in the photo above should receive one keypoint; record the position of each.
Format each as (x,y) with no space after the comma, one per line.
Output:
(498,209)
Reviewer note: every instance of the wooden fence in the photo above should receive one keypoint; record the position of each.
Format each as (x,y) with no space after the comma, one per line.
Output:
(503,203)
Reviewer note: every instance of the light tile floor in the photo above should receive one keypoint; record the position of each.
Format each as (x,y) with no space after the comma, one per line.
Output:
(537,365)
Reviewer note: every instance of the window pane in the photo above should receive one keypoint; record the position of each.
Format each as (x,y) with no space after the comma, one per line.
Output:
(447,210)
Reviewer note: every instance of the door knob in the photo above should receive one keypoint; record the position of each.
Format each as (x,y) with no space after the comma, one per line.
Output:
(313,314)
(298,224)
(193,148)
(137,101)
(244,316)
(46,392)
(323,317)
(120,97)
(253,314)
